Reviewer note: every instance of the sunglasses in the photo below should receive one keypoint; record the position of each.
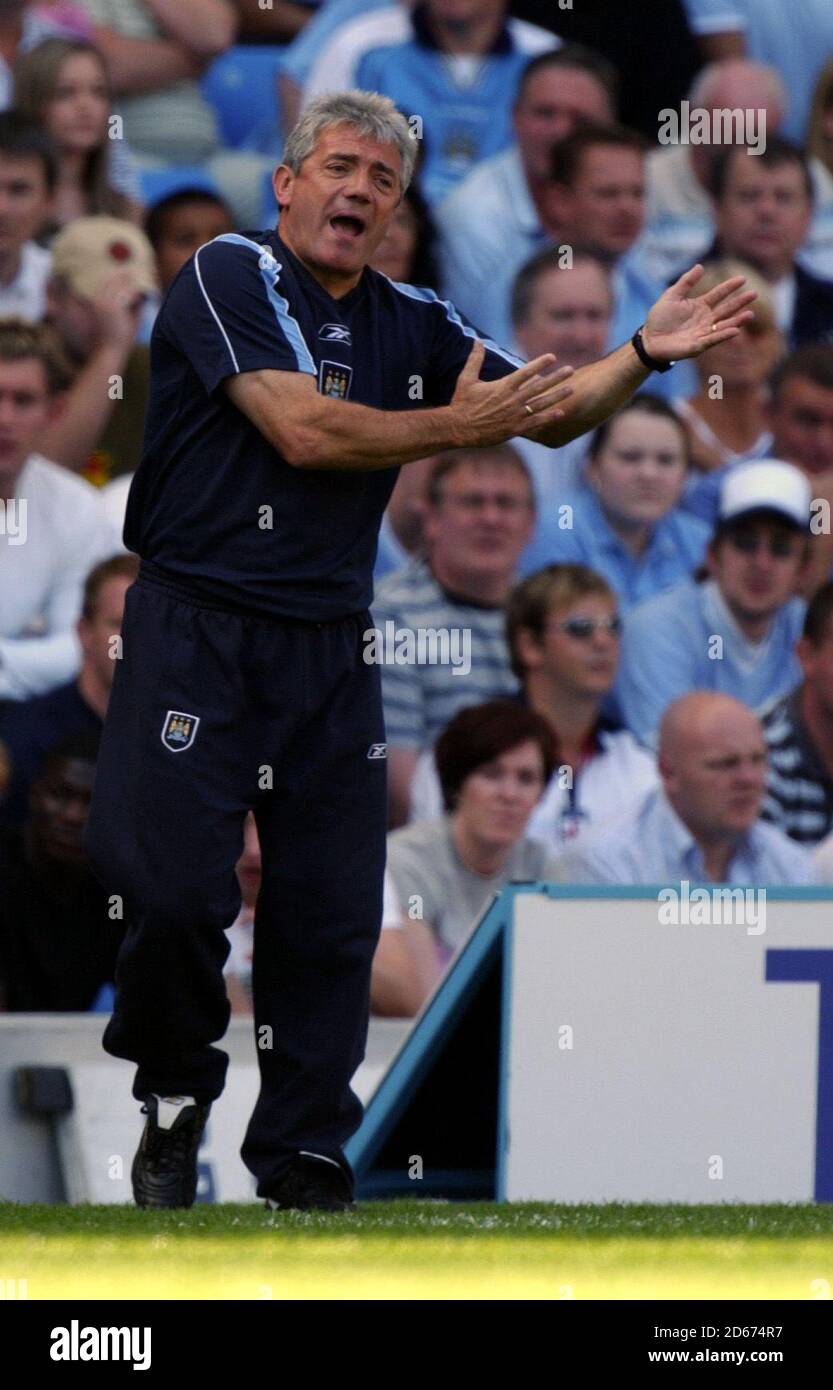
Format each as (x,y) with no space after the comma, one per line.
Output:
(779,547)
(584,628)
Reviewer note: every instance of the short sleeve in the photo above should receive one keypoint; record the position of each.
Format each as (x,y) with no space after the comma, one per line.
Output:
(228,313)
(451,343)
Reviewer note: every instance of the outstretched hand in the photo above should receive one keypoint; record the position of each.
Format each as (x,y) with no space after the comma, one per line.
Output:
(490,412)
(679,326)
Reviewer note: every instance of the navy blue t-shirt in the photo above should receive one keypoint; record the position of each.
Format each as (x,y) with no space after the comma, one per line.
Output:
(212,503)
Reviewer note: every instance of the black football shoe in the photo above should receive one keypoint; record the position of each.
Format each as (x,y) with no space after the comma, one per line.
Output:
(165,1167)
(312,1183)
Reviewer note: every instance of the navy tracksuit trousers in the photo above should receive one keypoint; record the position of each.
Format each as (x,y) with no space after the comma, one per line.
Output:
(208,705)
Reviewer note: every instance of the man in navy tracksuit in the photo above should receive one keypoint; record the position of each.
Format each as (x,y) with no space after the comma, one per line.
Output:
(288,381)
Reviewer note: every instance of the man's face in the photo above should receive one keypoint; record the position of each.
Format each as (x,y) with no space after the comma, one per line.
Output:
(716,779)
(604,208)
(96,633)
(184,231)
(59,805)
(569,315)
(26,408)
(579,651)
(764,214)
(25,201)
(497,800)
(801,420)
(556,102)
(336,209)
(757,565)
(482,521)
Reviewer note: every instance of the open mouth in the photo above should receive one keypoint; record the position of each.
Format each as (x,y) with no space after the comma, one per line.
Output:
(347,225)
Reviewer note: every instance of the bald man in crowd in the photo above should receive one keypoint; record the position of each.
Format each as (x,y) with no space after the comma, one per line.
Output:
(703,823)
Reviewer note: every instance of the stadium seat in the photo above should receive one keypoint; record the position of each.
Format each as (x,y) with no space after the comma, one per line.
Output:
(240,86)
(158,183)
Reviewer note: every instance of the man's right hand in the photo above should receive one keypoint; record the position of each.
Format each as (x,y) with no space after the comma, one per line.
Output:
(490,412)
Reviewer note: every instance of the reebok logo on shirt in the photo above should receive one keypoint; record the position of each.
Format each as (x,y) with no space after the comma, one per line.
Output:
(335,333)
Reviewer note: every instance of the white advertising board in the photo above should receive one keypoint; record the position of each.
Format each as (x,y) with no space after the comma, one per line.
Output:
(644,1061)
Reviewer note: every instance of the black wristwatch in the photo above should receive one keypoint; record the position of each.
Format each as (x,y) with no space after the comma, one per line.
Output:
(643,355)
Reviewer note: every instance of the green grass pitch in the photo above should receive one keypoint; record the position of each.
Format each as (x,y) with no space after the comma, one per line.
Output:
(420,1249)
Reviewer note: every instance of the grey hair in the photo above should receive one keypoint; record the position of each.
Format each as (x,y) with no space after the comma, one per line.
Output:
(372,115)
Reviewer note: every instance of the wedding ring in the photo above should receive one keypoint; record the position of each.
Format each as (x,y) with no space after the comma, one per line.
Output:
(528,409)
(714,328)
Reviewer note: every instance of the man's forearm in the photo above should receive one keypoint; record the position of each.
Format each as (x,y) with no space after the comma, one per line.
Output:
(598,391)
(73,436)
(357,437)
(137,66)
(207,27)
(332,434)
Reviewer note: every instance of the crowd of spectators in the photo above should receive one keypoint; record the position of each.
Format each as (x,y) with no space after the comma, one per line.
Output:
(637,683)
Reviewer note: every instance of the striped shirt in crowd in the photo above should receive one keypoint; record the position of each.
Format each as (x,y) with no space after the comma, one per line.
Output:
(799,797)
(421,696)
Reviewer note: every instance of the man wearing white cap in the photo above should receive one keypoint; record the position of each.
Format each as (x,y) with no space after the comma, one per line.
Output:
(736,630)
(103,272)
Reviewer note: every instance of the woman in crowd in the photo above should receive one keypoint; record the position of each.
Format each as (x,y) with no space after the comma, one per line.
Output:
(624,522)
(494,761)
(63,84)
(726,418)
(407,252)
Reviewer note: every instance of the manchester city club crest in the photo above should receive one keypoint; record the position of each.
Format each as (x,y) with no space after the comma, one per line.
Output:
(179,730)
(334,379)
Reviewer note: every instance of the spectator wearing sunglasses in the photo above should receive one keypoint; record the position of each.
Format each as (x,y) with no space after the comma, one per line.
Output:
(563,630)
(624,521)
(736,630)
(702,825)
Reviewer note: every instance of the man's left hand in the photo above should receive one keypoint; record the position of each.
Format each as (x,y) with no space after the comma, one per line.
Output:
(679,326)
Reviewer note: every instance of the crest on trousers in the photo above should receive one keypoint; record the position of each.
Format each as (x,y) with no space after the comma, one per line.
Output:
(179,730)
